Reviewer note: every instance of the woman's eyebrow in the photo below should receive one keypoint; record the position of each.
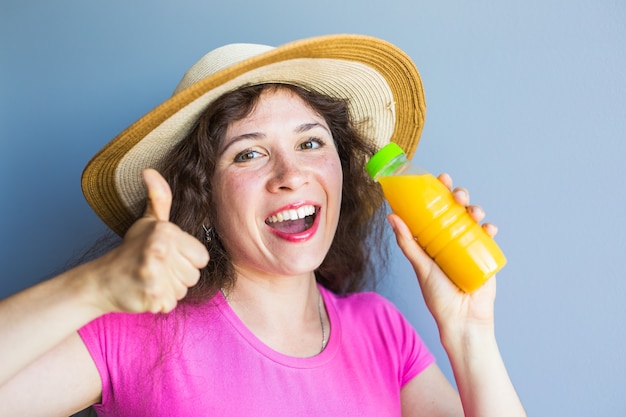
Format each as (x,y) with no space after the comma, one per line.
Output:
(239,138)
(308,126)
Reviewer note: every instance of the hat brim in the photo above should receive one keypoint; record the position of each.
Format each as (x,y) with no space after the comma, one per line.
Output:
(379,80)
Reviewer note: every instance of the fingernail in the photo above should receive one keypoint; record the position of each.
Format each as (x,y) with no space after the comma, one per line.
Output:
(476,210)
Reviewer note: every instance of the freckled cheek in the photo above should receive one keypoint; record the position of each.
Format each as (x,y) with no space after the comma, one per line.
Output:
(233,194)
(336,173)
(334,186)
(229,200)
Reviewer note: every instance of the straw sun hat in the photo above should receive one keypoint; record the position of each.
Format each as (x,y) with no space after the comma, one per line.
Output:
(380,82)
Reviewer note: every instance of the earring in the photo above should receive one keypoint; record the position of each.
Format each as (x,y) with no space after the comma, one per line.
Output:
(208,233)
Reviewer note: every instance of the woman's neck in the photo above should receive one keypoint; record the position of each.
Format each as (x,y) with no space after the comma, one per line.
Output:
(286,313)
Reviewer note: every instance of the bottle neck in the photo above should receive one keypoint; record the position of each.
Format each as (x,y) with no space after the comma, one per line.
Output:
(395,166)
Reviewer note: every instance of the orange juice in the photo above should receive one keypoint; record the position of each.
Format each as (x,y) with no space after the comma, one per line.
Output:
(444,228)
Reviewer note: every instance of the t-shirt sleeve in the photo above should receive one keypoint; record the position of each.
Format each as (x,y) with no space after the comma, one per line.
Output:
(117,337)
(412,353)
(95,339)
(417,355)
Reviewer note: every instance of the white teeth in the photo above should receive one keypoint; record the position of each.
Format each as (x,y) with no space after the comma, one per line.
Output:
(292,214)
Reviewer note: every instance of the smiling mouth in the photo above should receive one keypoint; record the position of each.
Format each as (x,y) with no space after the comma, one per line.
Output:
(293,220)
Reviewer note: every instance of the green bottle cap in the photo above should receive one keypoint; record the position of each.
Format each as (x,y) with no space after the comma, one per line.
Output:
(381,158)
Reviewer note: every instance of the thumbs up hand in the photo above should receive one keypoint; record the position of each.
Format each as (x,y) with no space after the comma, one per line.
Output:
(157,261)
(159,196)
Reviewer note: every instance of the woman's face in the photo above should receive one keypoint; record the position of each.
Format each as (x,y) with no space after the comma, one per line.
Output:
(278,183)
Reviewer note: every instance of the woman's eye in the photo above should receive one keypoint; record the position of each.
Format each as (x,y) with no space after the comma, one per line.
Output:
(246,155)
(311,144)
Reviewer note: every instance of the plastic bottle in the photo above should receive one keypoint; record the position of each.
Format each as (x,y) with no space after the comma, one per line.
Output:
(443,227)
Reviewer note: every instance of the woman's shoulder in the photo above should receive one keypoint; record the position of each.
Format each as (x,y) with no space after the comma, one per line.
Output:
(364,304)
(370,319)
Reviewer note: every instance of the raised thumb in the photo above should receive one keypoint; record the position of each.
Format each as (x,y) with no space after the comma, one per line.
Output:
(159,195)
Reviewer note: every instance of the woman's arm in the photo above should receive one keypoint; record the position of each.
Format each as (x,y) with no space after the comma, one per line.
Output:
(39,318)
(466,327)
(484,385)
(480,373)
(63,381)
(430,394)
(150,271)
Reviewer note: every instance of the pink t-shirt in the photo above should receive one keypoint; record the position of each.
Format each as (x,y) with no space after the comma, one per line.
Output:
(203,361)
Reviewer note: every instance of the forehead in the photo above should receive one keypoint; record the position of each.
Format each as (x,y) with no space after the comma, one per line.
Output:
(279,106)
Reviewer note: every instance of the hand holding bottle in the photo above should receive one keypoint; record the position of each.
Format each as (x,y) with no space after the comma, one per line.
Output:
(441,225)
(449,305)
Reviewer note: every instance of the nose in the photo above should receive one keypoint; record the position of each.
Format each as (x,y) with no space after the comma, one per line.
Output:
(287,174)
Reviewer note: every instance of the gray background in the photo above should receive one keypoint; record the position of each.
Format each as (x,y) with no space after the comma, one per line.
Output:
(526,108)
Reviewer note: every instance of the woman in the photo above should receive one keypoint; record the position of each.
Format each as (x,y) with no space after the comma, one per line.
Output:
(262,225)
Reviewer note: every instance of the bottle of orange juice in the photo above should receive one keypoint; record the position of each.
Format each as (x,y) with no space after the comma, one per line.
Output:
(458,244)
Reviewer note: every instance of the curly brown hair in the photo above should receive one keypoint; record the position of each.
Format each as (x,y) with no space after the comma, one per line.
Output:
(359,239)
